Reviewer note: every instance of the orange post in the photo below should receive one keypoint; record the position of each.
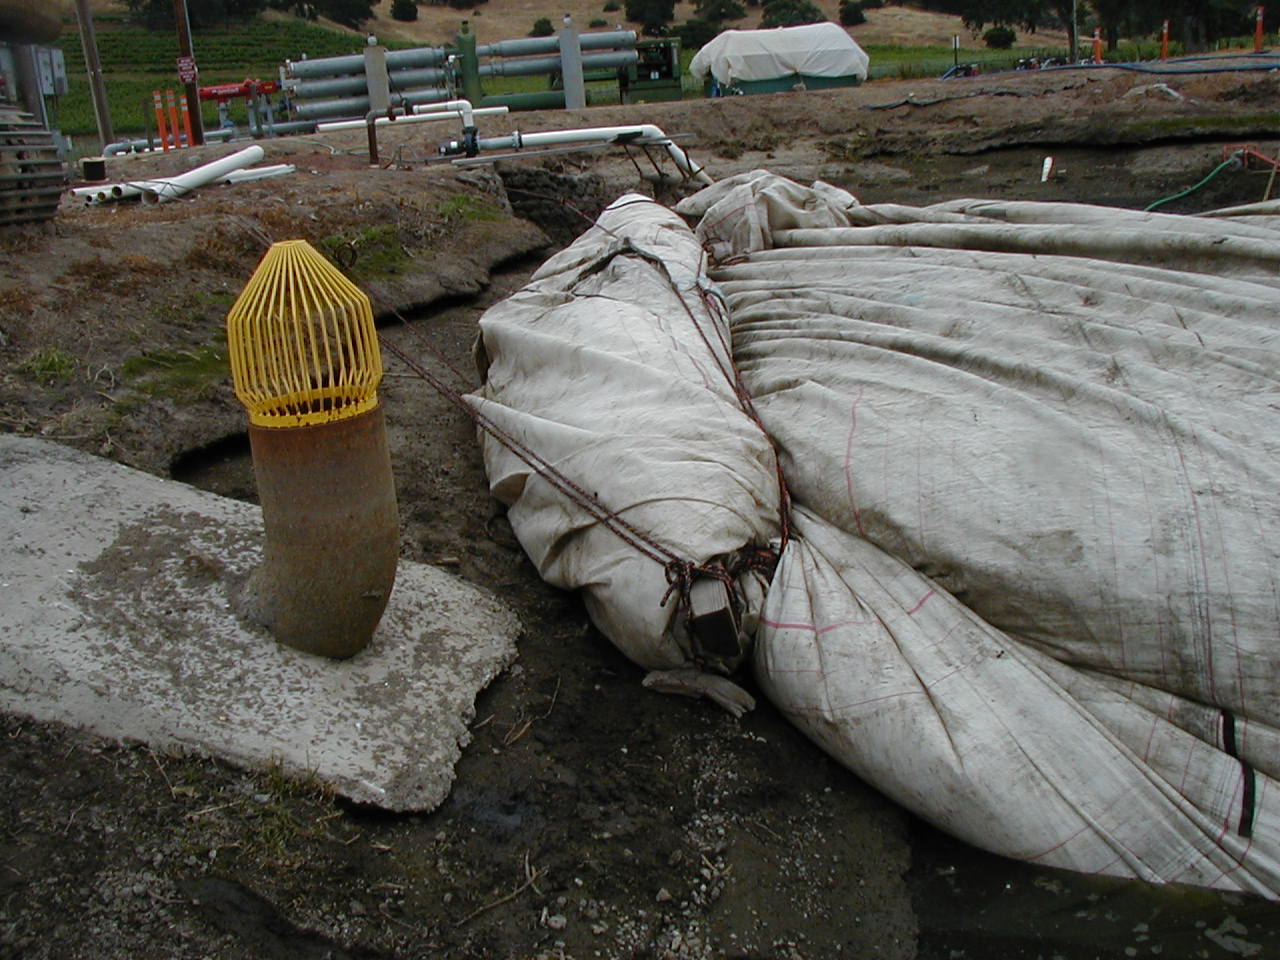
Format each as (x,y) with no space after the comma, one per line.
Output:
(1257,31)
(173,117)
(1164,41)
(186,116)
(1097,44)
(160,126)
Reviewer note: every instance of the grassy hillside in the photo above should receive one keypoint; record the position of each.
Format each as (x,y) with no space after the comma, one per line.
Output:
(137,61)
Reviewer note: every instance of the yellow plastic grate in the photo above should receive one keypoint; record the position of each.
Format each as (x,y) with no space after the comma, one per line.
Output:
(303,346)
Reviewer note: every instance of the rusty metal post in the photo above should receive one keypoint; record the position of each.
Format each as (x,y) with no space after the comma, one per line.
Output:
(332,533)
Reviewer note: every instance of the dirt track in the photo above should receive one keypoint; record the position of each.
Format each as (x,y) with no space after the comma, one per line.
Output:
(590,817)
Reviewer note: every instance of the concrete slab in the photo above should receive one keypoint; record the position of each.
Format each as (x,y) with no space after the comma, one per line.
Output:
(115,615)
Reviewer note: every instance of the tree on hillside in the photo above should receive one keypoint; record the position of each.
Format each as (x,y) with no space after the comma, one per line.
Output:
(349,13)
(653,15)
(696,33)
(1196,22)
(158,14)
(718,11)
(404,10)
(790,13)
(851,14)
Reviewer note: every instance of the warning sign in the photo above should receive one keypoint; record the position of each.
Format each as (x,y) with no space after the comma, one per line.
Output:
(187,72)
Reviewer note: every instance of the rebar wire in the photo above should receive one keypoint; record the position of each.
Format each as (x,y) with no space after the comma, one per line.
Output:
(679,571)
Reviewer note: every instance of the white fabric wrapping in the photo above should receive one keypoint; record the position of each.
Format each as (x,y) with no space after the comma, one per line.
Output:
(815,49)
(1031,589)
(995,741)
(612,368)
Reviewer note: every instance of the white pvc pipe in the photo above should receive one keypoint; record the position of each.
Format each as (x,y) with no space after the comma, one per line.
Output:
(444,107)
(423,117)
(257,173)
(647,131)
(170,188)
(463,105)
(103,191)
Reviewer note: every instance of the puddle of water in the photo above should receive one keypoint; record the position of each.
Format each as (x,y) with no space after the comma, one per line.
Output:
(975,906)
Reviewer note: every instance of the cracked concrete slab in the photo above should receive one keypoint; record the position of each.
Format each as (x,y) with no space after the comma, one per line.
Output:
(117,617)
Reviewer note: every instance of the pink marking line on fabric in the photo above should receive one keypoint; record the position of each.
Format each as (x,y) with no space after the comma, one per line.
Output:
(815,629)
(848,463)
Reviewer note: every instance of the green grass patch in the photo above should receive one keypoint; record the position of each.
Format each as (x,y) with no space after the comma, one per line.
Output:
(1161,126)
(178,374)
(49,365)
(463,206)
(909,63)
(370,254)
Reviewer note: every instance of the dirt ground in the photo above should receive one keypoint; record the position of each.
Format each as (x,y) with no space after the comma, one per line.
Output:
(590,818)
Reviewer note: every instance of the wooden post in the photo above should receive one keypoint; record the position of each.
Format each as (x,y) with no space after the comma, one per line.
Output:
(191,87)
(93,67)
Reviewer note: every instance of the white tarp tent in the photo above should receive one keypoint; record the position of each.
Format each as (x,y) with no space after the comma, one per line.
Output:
(815,50)
(1026,580)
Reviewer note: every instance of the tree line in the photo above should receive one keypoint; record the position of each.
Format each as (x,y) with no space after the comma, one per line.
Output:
(1197,24)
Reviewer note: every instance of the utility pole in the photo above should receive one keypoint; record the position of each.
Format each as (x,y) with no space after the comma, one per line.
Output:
(1073,35)
(93,66)
(187,70)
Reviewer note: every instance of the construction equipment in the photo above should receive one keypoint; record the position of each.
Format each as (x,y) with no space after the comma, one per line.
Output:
(32,172)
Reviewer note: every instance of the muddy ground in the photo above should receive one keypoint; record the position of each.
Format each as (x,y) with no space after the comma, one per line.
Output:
(590,818)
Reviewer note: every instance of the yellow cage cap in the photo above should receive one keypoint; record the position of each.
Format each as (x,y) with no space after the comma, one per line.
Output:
(304,349)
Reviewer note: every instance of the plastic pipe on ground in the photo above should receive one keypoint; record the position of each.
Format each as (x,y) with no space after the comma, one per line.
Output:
(646,131)
(257,173)
(170,188)
(235,176)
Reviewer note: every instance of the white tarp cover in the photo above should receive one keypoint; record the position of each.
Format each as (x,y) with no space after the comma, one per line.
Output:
(815,49)
(1030,586)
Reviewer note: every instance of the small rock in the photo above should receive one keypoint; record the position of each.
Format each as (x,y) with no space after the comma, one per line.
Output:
(557,921)
(664,895)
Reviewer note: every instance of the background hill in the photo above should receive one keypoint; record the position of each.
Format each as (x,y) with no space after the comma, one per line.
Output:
(505,19)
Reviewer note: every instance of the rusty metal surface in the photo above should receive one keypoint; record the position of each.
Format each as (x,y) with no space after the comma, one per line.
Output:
(32,176)
(332,533)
